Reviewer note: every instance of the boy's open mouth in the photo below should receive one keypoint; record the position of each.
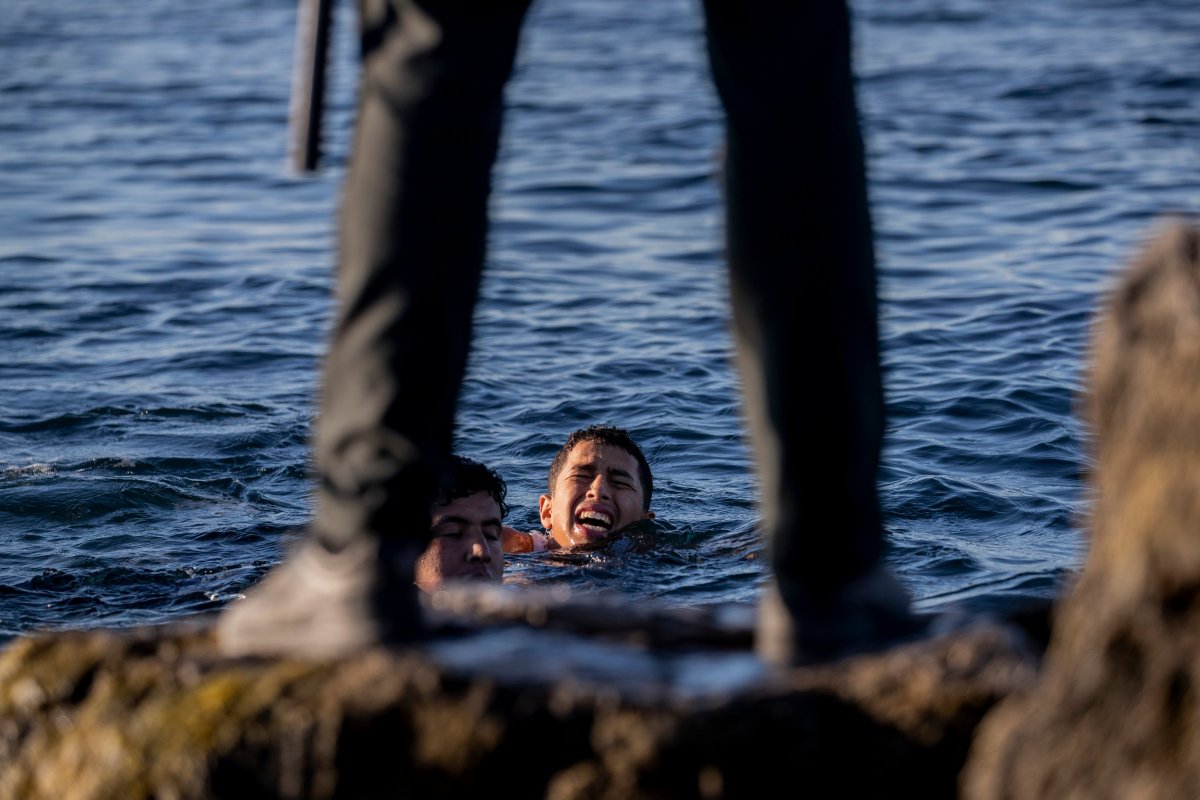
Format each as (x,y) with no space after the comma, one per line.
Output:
(594,523)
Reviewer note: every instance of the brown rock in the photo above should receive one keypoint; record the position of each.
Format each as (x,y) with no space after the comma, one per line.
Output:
(159,714)
(1116,712)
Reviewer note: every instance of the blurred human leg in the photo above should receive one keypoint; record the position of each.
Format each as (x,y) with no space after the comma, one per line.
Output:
(412,235)
(802,283)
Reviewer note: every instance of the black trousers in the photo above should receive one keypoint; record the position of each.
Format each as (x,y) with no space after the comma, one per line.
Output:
(800,252)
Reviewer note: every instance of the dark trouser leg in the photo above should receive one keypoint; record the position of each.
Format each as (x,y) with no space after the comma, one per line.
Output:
(802,278)
(412,236)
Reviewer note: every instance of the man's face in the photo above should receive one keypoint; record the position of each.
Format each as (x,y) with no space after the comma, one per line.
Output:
(466,543)
(596,493)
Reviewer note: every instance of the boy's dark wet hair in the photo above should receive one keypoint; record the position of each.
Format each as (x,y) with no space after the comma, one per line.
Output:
(611,435)
(465,477)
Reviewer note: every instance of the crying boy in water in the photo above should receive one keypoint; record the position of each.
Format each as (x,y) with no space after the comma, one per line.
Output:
(599,483)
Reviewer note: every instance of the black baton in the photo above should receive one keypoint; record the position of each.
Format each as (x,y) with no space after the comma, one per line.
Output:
(313,22)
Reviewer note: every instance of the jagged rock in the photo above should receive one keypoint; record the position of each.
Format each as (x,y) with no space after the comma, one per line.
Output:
(1117,710)
(533,711)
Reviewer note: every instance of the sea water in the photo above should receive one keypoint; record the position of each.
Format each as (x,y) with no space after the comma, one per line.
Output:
(165,287)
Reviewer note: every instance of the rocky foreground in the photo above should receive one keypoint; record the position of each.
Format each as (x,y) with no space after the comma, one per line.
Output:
(536,696)
(160,714)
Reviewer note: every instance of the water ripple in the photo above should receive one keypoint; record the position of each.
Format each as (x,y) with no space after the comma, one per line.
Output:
(167,287)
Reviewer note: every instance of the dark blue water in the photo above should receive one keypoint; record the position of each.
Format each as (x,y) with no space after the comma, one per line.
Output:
(165,287)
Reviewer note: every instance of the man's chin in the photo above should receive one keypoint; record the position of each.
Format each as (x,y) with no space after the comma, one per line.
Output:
(586,537)
(473,576)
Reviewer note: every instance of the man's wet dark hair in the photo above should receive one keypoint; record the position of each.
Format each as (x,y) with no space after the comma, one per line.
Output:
(465,477)
(605,434)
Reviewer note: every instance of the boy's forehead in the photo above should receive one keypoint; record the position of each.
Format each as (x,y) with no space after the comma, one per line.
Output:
(591,452)
(477,504)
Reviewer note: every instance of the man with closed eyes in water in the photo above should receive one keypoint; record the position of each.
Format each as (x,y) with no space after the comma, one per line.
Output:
(599,483)
(466,536)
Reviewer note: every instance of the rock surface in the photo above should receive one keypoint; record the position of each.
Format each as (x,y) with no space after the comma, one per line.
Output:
(1116,712)
(157,713)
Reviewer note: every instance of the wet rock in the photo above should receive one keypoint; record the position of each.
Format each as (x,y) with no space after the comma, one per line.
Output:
(530,710)
(1116,712)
